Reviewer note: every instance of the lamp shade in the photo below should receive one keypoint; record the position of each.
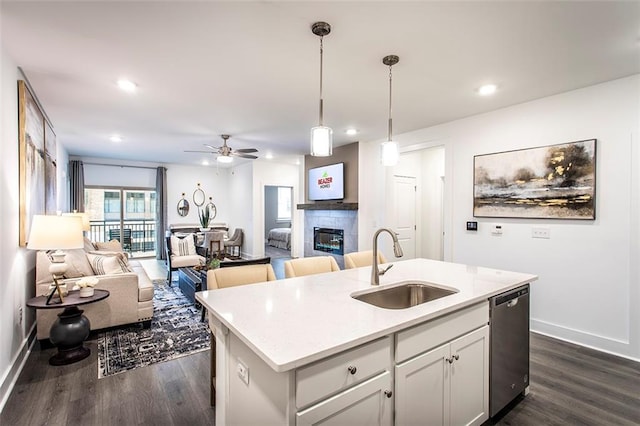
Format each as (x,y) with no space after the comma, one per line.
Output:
(321,141)
(55,232)
(389,153)
(86,225)
(225,159)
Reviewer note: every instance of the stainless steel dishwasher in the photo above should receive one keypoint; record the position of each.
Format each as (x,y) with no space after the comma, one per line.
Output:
(509,347)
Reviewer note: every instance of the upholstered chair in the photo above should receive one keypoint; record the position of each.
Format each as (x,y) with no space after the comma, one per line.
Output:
(213,243)
(235,241)
(231,277)
(361,258)
(181,253)
(309,266)
(239,275)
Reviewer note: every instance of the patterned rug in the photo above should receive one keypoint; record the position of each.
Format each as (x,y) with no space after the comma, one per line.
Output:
(176,330)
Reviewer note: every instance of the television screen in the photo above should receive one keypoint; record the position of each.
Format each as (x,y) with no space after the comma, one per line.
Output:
(326,182)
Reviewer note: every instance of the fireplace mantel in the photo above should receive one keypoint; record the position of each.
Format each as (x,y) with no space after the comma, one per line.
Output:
(328,206)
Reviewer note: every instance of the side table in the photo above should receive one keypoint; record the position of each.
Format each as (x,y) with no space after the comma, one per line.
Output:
(71,328)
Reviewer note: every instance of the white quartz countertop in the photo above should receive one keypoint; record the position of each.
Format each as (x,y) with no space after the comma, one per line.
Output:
(290,323)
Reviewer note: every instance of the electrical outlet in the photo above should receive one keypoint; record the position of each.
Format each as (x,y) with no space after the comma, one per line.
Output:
(540,233)
(243,372)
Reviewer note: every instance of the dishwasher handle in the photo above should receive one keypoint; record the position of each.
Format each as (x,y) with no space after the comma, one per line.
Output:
(510,297)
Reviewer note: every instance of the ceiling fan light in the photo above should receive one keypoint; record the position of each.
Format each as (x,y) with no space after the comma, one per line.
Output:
(224,159)
(389,153)
(321,141)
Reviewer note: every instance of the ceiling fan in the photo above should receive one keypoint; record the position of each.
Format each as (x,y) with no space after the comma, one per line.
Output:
(226,153)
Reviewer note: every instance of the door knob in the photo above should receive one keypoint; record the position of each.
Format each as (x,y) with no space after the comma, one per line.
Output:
(388,393)
(352,369)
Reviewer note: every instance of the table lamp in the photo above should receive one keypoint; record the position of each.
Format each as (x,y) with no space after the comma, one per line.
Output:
(86,224)
(56,233)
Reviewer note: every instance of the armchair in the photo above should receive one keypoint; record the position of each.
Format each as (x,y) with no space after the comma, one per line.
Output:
(181,252)
(235,241)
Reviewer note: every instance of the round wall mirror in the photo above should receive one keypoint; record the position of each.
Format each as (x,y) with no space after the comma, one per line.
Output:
(183,207)
(213,211)
(198,196)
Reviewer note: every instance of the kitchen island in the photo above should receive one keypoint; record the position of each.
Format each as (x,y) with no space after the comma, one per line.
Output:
(301,350)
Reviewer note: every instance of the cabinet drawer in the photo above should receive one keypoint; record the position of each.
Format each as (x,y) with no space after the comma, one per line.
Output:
(332,375)
(426,336)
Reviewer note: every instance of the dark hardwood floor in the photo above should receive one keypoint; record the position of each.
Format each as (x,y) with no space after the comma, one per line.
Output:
(570,385)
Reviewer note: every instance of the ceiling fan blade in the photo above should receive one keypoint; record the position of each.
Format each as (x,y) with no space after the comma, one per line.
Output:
(246,150)
(206,152)
(236,154)
(215,148)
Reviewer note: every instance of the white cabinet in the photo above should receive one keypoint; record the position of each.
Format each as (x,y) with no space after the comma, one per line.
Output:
(351,388)
(369,403)
(448,385)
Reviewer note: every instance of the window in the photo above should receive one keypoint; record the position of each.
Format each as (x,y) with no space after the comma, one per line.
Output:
(135,202)
(284,203)
(111,202)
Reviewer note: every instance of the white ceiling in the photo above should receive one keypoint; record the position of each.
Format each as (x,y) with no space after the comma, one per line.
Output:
(251,69)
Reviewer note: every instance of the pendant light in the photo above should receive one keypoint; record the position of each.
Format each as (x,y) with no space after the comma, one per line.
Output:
(321,136)
(389,151)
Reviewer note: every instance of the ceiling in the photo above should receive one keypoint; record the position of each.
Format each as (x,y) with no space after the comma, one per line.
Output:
(251,69)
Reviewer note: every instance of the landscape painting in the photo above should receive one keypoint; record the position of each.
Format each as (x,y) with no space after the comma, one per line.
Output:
(550,182)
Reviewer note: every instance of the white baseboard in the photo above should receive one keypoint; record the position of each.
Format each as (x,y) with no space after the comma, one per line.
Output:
(17,364)
(608,345)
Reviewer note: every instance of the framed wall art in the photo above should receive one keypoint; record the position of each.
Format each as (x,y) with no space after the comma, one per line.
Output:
(32,157)
(549,182)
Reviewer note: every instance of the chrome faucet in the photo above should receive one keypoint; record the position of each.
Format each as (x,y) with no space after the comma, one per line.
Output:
(397,251)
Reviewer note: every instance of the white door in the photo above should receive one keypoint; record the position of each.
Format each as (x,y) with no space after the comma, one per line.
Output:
(369,403)
(422,389)
(470,378)
(404,214)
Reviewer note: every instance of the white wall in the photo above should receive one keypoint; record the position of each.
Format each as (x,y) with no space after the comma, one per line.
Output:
(241,205)
(213,181)
(16,264)
(588,291)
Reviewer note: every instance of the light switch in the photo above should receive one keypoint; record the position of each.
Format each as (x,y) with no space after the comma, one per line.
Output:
(496,229)
(539,232)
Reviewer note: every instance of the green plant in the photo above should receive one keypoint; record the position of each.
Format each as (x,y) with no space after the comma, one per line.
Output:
(214,263)
(204,218)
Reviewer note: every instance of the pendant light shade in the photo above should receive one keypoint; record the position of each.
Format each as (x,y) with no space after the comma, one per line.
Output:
(389,150)
(321,135)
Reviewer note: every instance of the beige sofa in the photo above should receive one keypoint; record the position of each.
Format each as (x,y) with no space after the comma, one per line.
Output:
(130,293)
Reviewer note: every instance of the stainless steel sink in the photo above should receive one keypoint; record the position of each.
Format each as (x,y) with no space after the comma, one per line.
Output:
(404,295)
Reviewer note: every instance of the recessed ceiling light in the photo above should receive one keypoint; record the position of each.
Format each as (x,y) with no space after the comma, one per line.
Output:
(487,89)
(351,132)
(127,85)
(268,156)
(115,138)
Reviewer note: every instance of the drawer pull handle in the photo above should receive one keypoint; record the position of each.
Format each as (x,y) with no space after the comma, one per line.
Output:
(352,369)
(456,357)
(388,393)
(449,360)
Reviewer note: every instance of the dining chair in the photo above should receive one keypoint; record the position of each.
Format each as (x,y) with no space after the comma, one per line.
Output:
(361,258)
(309,266)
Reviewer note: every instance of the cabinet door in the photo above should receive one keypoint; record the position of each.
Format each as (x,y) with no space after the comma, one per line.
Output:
(470,378)
(363,404)
(422,389)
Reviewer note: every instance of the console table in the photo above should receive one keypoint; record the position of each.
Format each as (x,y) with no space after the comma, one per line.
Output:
(71,328)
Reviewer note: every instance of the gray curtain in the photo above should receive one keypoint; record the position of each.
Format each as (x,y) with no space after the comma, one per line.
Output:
(161,212)
(76,186)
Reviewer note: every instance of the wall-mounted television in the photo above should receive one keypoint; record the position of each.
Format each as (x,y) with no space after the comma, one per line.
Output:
(326,182)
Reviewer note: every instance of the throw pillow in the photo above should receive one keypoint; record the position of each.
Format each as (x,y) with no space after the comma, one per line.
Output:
(88,245)
(183,246)
(106,265)
(113,245)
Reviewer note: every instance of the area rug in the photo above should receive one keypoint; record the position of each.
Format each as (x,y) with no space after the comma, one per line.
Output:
(176,330)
